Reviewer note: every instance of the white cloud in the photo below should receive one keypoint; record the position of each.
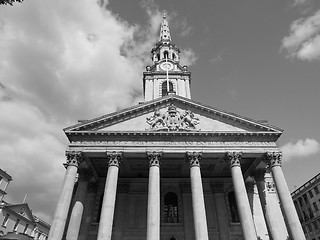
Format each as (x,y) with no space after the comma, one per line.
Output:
(301,149)
(303,41)
(62,61)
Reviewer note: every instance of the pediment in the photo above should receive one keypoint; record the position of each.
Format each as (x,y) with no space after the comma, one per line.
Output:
(22,210)
(177,119)
(172,114)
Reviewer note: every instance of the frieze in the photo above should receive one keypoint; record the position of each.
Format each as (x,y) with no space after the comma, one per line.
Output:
(168,143)
(173,120)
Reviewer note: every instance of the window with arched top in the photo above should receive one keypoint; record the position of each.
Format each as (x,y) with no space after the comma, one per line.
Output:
(158,56)
(164,88)
(173,56)
(233,207)
(171,208)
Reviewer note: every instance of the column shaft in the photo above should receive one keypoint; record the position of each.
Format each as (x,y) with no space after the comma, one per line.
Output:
(242,200)
(199,211)
(271,220)
(61,212)
(77,211)
(153,216)
(289,211)
(109,198)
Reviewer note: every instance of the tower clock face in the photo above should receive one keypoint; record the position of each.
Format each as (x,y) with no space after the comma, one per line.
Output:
(166,66)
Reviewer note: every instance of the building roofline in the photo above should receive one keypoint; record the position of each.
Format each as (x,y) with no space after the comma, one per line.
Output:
(305,185)
(5,174)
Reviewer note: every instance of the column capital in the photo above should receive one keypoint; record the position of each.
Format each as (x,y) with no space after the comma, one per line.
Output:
(114,158)
(258,174)
(154,158)
(233,158)
(273,159)
(74,158)
(193,158)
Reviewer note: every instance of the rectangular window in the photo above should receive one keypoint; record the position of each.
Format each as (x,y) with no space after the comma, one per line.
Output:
(300,202)
(26,229)
(316,189)
(315,225)
(15,227)
(5,220)
(309,227)
(315,206)
(310,193)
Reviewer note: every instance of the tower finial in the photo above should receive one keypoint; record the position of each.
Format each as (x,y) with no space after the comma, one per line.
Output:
(164,29)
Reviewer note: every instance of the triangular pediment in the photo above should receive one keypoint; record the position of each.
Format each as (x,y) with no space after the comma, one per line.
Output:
(22,210)
(172,114)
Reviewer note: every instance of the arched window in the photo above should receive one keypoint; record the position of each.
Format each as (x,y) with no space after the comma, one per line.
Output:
(171,208)
(158,56)
(173,56)
(233,207)
(165,88)
(166,54)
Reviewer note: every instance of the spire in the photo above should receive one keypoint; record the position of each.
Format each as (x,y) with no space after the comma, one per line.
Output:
(164,30)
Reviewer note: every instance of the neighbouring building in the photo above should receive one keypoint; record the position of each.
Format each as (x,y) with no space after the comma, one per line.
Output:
(173,168)
(5,179)
(19,217)
(307,202)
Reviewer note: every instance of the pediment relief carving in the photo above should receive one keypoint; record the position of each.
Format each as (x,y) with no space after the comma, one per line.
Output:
(173,120)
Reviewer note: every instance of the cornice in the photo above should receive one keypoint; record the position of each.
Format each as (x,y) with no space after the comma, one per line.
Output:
(167,133)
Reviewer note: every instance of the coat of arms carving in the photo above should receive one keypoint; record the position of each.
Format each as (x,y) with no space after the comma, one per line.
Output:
(173,120)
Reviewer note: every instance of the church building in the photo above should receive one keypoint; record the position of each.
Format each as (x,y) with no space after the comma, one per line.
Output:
(173,168)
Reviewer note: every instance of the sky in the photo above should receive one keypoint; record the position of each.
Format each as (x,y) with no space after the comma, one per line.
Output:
(61,61)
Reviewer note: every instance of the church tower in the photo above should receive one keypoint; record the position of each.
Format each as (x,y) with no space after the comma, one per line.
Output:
(166,75)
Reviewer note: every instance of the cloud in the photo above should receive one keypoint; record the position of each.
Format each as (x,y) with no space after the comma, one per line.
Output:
(187,57)
(298,2)
(301,149)
(62,61)
(303,41)
(181,25)
(218,57)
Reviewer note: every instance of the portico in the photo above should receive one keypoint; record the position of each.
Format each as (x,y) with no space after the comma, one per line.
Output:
(171,167)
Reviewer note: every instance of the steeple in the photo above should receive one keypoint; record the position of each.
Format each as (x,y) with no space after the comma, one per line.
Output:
(166,75)
(164,30)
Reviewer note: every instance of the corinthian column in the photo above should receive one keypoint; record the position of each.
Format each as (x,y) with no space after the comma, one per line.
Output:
(78,207)
(242,200)
(153,217)
(199,211)
(60,216)
(274,161)
(267,207)
(109,196)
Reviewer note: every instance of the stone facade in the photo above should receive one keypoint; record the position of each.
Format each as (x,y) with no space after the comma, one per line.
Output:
(307,202)
(5,179)
(172,168)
